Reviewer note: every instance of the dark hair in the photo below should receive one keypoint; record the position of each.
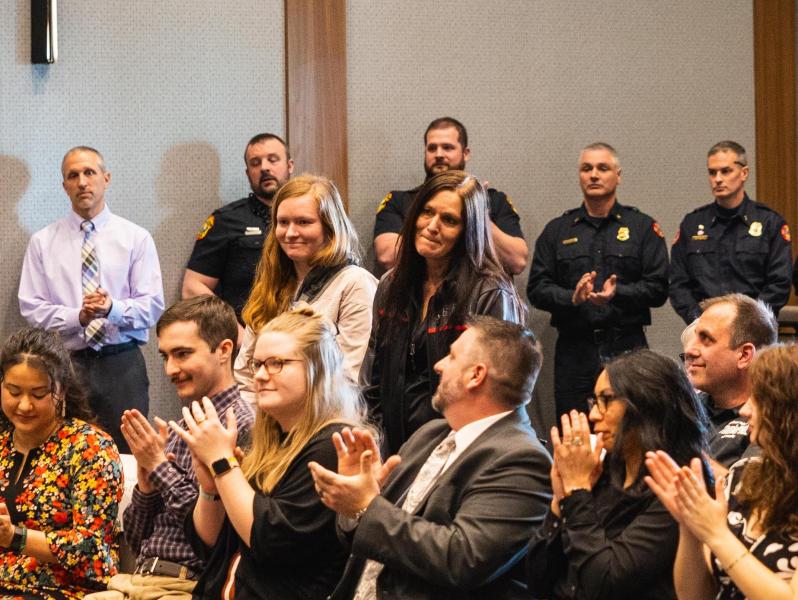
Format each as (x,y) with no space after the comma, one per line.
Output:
(730,146)
(445,123)
(262,137)
(473,258)
(754,320)
(216,320)
(662,412)
(770,485)
(44,351)
(513,354)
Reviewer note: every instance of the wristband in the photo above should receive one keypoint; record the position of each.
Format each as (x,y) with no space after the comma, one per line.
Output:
(223,465)
(208,496)
(19,539)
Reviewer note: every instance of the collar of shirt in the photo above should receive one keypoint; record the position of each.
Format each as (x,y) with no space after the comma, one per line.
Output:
(743,210)
(99,221)
(258,207)
(615,214)
(467,435)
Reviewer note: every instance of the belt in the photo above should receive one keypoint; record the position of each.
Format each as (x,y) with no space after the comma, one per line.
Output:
(109,350)
(157,566)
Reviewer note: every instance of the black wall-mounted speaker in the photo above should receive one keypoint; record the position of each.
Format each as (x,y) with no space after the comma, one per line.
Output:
(43,31)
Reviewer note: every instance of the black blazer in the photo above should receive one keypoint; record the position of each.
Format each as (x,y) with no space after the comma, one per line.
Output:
(466,538)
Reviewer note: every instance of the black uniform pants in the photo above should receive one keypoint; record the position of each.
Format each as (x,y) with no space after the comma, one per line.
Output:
(116,382)
(578,359)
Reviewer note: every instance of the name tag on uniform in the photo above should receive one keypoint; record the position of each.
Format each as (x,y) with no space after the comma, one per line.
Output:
(570,241)
(700,237)
(253,231)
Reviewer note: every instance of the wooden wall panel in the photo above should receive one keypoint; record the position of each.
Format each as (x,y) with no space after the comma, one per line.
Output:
(315,56)
(774,80)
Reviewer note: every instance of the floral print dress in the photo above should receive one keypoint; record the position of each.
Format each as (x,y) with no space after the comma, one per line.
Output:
(69,489)
(778,552)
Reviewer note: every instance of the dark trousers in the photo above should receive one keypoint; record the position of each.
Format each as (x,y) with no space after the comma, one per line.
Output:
(117,382)
(578,360)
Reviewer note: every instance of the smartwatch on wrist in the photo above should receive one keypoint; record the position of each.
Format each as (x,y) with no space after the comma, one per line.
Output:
(223,465)
(19,539)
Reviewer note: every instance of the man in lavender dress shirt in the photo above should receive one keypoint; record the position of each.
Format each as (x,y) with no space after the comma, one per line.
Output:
(127,299)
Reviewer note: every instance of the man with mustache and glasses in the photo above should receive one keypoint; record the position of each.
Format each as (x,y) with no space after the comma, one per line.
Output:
(446,149)
(732,244)
(196,343)
(230,241)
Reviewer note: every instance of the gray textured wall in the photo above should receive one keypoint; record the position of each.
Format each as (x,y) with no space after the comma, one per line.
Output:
(534,81)
(169,92)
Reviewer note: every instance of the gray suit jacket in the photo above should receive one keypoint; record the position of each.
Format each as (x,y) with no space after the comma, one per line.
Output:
(465,539)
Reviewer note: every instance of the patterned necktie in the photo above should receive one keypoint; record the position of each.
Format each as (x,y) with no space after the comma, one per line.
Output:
(429,473)
(90,280)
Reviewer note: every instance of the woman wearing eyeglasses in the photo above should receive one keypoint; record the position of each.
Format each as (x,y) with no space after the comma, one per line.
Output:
(606,534)
(311,255)
(261,525)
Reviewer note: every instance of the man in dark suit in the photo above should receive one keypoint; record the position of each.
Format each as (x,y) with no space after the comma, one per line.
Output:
(451,515)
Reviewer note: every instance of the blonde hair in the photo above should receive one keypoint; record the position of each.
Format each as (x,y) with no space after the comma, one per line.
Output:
(275,279)
(331,398)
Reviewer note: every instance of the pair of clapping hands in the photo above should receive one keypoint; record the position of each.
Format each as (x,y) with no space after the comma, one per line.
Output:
(584,291)
(207,439)
(683,491)
(361,473)
(577,465)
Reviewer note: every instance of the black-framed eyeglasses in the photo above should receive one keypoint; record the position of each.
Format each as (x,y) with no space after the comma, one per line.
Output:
(601,401)
(273,364)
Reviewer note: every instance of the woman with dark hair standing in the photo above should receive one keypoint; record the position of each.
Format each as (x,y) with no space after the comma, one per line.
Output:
(446,270)
(744,542)
(60,477)
(607,535)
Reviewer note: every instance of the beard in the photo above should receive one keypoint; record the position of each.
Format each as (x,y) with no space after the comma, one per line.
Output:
(449,167)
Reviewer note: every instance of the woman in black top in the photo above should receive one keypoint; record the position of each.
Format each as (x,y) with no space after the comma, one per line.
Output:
(606,535)
(262,528)
(446,270)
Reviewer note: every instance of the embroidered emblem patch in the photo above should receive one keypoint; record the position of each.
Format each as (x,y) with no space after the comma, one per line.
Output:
(785,232)
(384,201)
(658,230)
(677,236)
(206,227)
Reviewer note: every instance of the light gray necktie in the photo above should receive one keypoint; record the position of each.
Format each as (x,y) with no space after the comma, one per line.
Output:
(429,473)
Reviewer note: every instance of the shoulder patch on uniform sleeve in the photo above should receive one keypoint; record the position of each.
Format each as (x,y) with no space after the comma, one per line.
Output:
(677,236)
(206,227)
(658,230)
(785,232)
(385,201)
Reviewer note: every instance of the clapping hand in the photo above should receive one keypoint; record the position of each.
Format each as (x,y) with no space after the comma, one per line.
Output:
(576,464)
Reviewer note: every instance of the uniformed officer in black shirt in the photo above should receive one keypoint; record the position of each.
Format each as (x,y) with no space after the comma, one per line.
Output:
(230,242)
(598,269)
(731,245)
(445,148)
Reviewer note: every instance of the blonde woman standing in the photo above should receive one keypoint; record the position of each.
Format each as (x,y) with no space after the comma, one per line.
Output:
(311,255)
